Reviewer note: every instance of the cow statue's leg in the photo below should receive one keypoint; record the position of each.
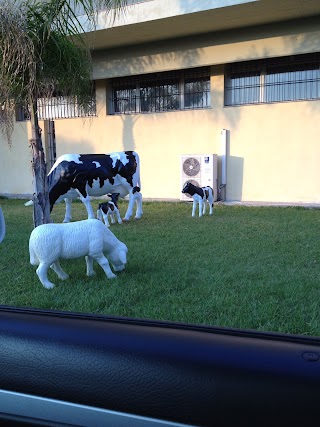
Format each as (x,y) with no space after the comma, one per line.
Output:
(86,201)
(204,205)
(118,216)
(68,216)
(210,201)
(111,214)
(201,206)
(138,200)
(105,219)
(134,198)
(194,207)
(131,203)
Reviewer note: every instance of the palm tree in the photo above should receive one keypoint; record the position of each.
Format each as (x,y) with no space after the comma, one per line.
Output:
(42,51)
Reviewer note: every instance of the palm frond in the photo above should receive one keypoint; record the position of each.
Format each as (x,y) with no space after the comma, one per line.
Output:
(42,51)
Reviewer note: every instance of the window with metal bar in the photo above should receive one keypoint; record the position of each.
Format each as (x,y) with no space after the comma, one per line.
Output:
(58,107)
(158,92)
(293,78)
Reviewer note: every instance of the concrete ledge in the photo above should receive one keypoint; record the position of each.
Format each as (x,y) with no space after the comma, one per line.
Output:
(275,204)
(310,205)
(15,196)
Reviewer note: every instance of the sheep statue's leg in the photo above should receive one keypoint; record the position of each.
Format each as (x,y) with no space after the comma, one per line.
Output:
(89,263)
(56,267)
(42,272)
(104,263)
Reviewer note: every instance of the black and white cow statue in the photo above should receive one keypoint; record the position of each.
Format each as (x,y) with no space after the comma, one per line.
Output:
(200,196)
(85,175)
(109,209)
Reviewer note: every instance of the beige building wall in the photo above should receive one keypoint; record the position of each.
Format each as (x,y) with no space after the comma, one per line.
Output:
(15,163)
(273,152)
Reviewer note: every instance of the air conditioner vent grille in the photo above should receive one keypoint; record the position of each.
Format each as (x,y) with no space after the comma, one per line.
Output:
(191,166)
(199,169)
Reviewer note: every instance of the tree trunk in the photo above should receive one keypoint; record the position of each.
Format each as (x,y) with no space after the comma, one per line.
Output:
(41,205)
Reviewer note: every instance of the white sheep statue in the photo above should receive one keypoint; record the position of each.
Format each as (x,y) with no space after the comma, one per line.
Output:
(90,238)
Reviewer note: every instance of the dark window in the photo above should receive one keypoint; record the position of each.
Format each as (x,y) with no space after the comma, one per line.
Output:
(168,91)
(160,96)
(293,82)
(196,92)
(243,88)
(125,99)
(291,78)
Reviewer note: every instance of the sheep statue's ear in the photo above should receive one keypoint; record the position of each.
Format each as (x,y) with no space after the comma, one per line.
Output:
(123,257)
(2,226)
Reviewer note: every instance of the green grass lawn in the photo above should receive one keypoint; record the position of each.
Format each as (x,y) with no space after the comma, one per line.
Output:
(244,267)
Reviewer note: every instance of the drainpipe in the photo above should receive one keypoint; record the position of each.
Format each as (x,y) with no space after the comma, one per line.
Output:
(223,153)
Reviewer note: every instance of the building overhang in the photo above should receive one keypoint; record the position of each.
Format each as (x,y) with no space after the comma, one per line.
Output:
(155,20)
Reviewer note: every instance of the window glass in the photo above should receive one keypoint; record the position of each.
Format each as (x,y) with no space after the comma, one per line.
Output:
(125,99)
(159,96)
(243,88)
(58,107)
(167,91)
(289,83)
(285,79)
(197,92)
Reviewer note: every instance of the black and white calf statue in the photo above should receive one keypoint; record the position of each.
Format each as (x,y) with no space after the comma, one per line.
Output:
(109,209)
(200,196)
(90,238)
(85,175)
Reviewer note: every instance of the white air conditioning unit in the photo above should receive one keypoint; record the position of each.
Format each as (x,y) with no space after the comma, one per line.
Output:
(201,170)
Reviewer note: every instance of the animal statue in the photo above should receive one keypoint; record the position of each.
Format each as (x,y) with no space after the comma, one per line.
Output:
(2,226)
(109,209)
(85,175)
(200,196)
(90,238)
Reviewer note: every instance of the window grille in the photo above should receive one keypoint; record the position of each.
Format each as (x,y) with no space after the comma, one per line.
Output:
(57,107)
(158,92)
(293,78)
